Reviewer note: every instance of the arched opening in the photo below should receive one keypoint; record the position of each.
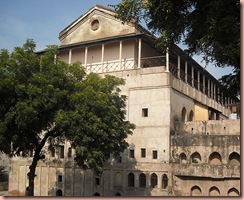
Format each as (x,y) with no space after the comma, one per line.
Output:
(142,180)
(195,158)
(233,192)
(117,194)
(118,180)
(183,115)
(164,181)
(215,159)
(69,152)
(96,194)
(191,115)
(154,180)
(59,192)
(234,159)
(214,191)
(131,180)
(183,158)
(196,191)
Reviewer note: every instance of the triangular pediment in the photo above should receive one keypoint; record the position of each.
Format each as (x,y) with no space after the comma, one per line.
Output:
(97,23)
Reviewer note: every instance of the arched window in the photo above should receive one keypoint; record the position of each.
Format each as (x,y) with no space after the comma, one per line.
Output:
(131,180)
(118,180)
(215,159)
(69,152)
(142,180)
(164,181)
(183,115)
(59,192)
(154,180)
(234,159)
(191,115)
(214,191)
(233,192)
(196,191)
(182,158)
(195,157)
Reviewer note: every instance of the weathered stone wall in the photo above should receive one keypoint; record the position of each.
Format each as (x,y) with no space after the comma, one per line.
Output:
(213,127)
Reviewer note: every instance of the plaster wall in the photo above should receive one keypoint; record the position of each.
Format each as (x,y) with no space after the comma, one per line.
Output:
(108,27)
(201,112)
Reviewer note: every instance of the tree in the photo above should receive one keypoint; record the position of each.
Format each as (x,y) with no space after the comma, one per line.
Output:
(211,28)
(45,101)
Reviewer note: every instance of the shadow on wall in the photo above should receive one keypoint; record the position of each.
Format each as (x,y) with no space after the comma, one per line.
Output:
(123,174)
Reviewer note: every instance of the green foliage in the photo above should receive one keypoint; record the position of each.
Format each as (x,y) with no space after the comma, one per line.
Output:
(211,28)
(46,100)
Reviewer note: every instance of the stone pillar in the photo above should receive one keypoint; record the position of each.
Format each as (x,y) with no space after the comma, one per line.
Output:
(102,57)
(204,84)
(209,87)
(178,66)
(139,53)
(192,76)
(198,80)
(167,59)
(120,53)
(86,53)
(70,56)
(186,65)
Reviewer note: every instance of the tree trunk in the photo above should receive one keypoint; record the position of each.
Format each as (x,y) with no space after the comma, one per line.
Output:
(31,175)
(36,158)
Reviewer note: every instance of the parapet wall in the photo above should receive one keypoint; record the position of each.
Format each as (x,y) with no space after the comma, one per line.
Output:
(213,127)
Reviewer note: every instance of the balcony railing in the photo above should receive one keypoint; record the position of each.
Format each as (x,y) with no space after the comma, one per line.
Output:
(156,61)
(125,64)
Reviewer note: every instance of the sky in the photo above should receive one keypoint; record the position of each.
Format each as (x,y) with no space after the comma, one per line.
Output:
(42,20)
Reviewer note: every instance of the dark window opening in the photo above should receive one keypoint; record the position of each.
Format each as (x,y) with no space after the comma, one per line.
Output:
(143,153)
(60,178)
(132,153)
(97,181)
(155,154)
(144,112)
(69,152)
(61,151)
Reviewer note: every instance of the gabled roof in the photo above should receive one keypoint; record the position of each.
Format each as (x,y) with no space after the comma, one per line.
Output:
(81,30)
(80,18)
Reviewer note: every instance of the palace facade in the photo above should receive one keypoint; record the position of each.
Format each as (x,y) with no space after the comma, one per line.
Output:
(184,143)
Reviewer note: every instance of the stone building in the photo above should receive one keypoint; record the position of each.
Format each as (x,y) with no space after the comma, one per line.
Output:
(183,145)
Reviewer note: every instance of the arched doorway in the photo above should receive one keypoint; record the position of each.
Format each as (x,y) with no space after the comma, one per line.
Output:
(215,159)
(142,180)
(59,192)
(154,180)
(131,180)
(196,158)
(233,192)
(183,115)
(196,191)
(234,159)
(191,115)
(164,181)
(214,191)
